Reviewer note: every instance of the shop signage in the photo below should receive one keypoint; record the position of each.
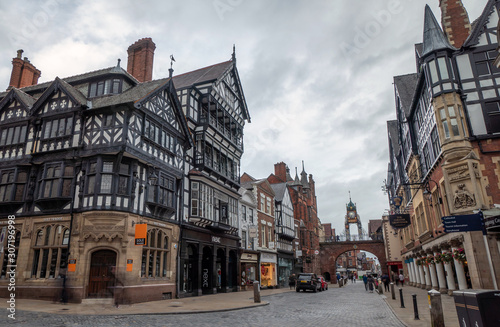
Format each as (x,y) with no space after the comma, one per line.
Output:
(129,264)
(141,233)
(252,231)
(462,223)
(400,220)
(316,252)
(215,239)
(205,277)
(492,224)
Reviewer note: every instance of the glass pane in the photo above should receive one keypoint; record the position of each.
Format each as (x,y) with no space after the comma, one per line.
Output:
(68,171)
(17,130)
(45,258)
(446,130)
(482,68)
(69,126)
(46,191)
(157,264)
(22,176)
(66,191)
(454,127)
(93,88)
(122,187)
(3,137)
(47,130)
(57,171)
(64,258)
(451,111)
(36,256)
(91,185)
(442,113)
(65,239)
(55,188)
(107,167)
(124,169)
(165,257)
(144,263)
(433,71)
(39,238)
(19,192)
(106,183)
(53,262)
(442,68)
(53,131)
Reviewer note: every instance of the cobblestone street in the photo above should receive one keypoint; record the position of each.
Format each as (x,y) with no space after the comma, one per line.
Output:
(347,306)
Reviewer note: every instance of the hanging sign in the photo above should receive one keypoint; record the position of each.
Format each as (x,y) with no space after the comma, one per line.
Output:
(400,220)
(141,233)
(72,265)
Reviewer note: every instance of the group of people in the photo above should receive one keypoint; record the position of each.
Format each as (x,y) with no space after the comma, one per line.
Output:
(371,282)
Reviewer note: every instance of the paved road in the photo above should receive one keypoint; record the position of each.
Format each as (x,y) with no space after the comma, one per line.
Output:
(347,306)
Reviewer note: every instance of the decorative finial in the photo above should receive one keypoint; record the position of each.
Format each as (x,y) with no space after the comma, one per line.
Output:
(233,56)
(118,63)
(171,70)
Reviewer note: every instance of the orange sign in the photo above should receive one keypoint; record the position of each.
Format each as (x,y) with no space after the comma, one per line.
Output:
(72,265)
(129,264)
(141,233)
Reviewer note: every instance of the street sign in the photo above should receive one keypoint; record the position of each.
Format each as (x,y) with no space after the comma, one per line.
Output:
(463,223)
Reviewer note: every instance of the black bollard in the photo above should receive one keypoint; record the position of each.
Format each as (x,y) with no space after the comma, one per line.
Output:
(401,297)
(415,308)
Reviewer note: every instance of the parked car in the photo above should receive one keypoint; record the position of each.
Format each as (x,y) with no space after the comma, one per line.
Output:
(323,284)
(307,281)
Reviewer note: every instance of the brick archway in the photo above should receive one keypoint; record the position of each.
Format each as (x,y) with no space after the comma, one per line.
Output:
(329,252)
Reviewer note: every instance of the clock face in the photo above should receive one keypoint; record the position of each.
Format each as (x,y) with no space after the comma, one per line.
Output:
(351,214)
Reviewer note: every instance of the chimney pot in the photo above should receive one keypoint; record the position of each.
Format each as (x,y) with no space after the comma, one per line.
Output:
(456,20)
(19,53)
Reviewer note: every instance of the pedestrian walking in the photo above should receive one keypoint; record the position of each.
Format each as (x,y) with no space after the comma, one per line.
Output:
(291,281)
(365,280)
(386,280)
(370,282)
(402,279)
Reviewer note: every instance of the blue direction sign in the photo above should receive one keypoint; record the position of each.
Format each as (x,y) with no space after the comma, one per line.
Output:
(463,223)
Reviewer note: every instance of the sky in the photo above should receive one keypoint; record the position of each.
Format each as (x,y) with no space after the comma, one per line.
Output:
(317,75)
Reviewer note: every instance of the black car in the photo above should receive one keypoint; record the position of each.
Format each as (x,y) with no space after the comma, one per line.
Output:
(307,281)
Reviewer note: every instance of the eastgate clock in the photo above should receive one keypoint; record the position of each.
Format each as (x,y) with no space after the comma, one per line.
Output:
(351,214)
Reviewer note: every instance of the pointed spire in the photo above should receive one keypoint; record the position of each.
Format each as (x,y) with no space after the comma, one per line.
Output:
(117,68)
(233,56)
(288,177)
(434,38)
(296,182)
(303,178)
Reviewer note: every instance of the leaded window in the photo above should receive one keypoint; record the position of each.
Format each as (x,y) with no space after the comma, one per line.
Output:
(163,192)
(156,255)
(56,180)
(7,256)
(58,127)
(109,86)
(13,135)
(50,251)
(11,185)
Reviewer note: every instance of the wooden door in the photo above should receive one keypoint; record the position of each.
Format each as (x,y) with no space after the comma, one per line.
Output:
(101,277)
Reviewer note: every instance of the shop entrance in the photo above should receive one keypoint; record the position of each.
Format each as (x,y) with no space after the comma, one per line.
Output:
(232,274)
(190,270)
(102,276)
(221,270)
(206,271)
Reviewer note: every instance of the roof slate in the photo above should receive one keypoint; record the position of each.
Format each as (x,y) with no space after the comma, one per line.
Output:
(279,191)
(434,38)
(405,86)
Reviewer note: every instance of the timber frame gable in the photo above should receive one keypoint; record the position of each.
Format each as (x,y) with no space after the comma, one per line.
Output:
(480,25)
(163,102)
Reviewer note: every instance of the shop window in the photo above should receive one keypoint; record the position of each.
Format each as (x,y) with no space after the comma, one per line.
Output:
(50,252)
(155,255)
(4,256)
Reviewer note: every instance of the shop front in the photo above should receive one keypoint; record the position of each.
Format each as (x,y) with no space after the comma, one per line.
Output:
(249,269)
(394,268)
(209,262)
(285,268)
(268,270)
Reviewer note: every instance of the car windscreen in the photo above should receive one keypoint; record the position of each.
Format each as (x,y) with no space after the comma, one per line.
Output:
(304,277)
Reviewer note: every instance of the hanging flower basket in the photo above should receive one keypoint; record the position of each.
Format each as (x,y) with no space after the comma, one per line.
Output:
(446,257)
(438,258)
(459,254)
(429,260)
(419,262)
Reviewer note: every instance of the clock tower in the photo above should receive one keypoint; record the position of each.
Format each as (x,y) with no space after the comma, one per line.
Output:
(352,217)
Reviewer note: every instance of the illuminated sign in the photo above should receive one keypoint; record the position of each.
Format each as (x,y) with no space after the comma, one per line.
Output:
(141,234)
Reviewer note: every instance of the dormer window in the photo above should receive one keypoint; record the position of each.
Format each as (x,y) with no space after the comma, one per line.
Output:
(109,86)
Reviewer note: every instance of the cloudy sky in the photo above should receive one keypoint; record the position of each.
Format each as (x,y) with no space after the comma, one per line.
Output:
(317,74)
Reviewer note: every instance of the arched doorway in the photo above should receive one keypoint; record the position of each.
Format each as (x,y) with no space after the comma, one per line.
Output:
(327,276)
(102,274)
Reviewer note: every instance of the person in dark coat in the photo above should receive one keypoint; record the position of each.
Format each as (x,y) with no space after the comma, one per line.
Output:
(371,282)
(291,281)
(365,280)
(386,280)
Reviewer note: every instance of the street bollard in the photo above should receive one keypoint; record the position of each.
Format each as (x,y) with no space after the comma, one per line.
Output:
(256,291)
(392,291)
(401,297)
(415,307)
(436,308)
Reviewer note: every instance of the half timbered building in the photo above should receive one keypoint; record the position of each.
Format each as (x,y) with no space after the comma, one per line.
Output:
(85,159)
(443,146)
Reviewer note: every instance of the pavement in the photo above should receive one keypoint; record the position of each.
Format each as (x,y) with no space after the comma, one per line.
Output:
(234,301)
(407,315)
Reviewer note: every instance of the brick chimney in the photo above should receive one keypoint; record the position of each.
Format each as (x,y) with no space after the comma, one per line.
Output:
(140,59)
(23,72)
(280,171)
(455,21)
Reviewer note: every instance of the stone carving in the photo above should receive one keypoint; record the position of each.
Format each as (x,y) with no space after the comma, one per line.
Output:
(463,198)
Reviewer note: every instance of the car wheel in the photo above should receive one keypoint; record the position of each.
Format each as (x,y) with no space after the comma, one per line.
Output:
(298,290)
